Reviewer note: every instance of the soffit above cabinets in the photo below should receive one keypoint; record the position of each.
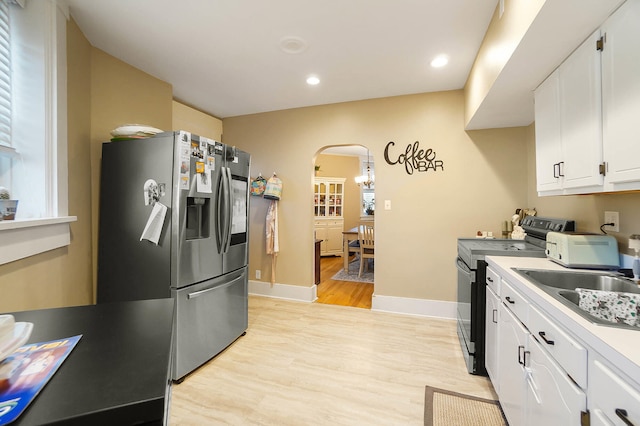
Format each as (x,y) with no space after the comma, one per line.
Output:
(559,28)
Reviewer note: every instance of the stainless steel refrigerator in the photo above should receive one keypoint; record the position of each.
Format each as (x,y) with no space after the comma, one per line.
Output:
(173,223)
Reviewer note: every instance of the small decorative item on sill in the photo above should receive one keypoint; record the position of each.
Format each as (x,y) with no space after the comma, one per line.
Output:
(369,207)
(8,207)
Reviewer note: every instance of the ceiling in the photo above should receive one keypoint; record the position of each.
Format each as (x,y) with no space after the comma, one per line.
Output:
(233,57)
(225,57)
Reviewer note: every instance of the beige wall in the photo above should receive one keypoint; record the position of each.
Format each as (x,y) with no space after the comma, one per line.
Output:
(586,210)
(487,175)
(483,182)
(194,121)
(62,277)
(347,167)
(103,93)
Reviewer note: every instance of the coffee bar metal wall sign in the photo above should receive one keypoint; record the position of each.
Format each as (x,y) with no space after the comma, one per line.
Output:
(413,158)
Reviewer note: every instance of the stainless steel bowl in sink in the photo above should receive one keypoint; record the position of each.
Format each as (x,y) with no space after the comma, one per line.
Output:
(562,286)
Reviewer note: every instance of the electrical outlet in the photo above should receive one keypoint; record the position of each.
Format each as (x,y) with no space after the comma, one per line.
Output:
(612,217)
(258,274)
(387,204)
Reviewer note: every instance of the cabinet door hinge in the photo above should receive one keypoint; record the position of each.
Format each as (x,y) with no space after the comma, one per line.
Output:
(585,418)
(600,44)
(602,168)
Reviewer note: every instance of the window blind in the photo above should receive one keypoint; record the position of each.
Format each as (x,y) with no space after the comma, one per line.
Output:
(5,75)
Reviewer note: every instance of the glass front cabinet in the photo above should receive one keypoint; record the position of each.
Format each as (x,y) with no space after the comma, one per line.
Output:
(328,201)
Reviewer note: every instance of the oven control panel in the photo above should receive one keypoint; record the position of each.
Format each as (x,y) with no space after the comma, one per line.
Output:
(543,225)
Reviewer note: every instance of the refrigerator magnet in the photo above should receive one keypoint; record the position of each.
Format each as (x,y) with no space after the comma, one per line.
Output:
(211,163)
(151,192)
(184,182)
(203,182)
(185,137)
(195,150)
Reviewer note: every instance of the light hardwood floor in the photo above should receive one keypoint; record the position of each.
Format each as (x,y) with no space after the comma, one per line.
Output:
(317,364)
(345,293)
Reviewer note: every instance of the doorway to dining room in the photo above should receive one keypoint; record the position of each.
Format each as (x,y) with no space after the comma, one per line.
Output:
(343,198)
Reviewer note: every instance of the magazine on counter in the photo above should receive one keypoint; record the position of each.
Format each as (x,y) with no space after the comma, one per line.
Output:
(24,373)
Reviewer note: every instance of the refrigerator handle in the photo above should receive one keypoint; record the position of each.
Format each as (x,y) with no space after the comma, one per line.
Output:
(219,212)
(229,215)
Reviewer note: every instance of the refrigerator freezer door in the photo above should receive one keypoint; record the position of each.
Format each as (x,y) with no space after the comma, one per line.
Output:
(209,317)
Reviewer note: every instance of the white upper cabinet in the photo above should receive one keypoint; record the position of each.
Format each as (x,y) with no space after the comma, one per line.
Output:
(568,124)
(621,95)
(586,113)
(580,115)
(548,136)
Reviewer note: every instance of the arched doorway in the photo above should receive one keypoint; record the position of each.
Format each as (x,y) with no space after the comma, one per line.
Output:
(340,205)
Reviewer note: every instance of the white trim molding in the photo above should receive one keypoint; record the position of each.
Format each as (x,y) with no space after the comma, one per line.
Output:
(397,305)
(27,237)
(283,291)
(421,307)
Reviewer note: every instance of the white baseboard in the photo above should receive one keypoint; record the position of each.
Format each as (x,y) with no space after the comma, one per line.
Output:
(409,306)
(284,291)
(392,304)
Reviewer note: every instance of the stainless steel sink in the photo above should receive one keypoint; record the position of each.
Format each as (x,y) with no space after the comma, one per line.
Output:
(562,286)
(571,280)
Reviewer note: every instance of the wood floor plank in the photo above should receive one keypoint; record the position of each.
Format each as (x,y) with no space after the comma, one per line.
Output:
(318,364)
(345,293)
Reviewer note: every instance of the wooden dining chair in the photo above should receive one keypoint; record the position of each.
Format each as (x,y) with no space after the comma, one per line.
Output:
(354,248)
(366,239)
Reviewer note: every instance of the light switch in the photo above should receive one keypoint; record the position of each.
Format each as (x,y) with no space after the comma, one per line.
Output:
(387,204)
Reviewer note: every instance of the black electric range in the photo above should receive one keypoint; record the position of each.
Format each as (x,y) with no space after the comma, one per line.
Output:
(472,272)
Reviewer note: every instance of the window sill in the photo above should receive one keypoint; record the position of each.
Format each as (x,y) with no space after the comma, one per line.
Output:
(26,237)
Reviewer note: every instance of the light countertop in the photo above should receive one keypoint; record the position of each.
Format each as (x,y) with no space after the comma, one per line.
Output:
(620,346)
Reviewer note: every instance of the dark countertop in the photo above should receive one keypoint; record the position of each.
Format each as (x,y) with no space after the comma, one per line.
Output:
(118,373)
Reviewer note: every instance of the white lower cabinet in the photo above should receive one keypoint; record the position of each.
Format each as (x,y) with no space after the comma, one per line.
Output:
(330,232)
(492,319)
(613,400)
(552,398)
(533,384)
(567,351)
(512,345)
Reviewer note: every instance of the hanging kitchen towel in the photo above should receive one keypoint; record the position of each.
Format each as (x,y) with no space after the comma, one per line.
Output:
(273,191)
(258,185)
(273,246)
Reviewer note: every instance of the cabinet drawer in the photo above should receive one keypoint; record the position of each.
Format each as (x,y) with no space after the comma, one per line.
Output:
(319,223)
(493,281)
(514,301)
(567,352)
(552,397)
(333,223)
(611,397)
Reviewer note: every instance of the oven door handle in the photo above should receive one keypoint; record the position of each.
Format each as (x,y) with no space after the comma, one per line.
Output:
(462,267)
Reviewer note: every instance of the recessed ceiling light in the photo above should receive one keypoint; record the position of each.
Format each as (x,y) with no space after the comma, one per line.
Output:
(313,80)
(440,61)
(293,44)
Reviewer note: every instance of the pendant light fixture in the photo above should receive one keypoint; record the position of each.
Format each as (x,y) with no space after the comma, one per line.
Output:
(368,179)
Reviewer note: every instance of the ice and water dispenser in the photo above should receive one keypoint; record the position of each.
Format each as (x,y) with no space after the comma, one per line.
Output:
(198,218)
